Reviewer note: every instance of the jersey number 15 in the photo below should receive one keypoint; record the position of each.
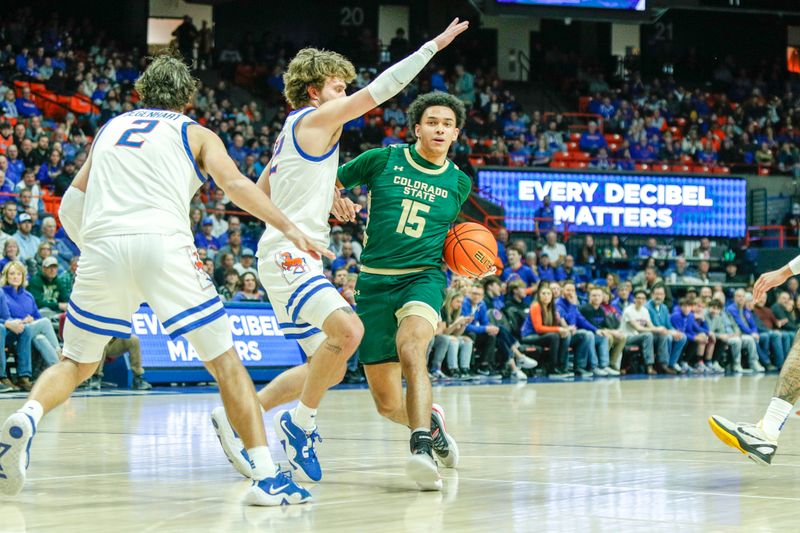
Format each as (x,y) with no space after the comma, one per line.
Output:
(411,223)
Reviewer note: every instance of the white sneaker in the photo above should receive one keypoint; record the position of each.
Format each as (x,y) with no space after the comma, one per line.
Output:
(601,372)
(527,362)
(15,443)
(519,375)
(444,445)
(231,444)
(422,469)
(749,439)
(611,371)
(678,368)
(716,367)
(737,369)
(757,367)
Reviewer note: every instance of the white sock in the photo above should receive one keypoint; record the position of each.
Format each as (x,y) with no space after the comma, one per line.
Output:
(304,416)
(33,409)
(776,415)
(261,462)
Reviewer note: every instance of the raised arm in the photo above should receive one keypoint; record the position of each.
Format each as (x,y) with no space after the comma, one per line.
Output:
(213,158)
(332,114)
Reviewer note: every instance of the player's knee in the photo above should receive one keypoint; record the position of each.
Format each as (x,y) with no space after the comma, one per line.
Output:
(348,336)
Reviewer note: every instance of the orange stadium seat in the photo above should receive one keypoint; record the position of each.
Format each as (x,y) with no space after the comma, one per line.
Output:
(576,137)
(681,168)
(562,156)
(722,170)
(476,161)
(572,146)
(702,168)
(581,156)
(613,137)
(642,166)
(661,167)
(763,171)
(558,164)
(577,164)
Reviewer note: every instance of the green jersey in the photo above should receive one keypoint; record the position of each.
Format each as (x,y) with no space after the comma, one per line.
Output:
(411,204)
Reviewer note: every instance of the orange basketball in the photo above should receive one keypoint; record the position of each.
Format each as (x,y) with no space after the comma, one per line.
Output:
(470,249)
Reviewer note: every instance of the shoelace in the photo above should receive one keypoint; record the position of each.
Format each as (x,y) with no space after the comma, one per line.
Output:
(314,436)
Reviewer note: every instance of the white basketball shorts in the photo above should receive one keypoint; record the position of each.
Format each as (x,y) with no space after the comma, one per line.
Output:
(300,294)
(116,274)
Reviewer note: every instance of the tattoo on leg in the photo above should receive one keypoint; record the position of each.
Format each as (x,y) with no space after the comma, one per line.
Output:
(332,347)
(788,387)
(348,310)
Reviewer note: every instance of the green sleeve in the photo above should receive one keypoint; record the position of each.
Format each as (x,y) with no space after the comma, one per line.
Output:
(64,288)
(464,187)
(362,169)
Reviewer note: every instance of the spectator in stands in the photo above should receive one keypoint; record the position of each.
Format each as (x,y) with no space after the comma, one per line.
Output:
(14,329)
(22,306)
(639,329)
(41,152)
(50,290)
(543,153)
(624,296)
(781,340)
(607,327)
(479,328)
(220,225)
(502,244)
(64,179)
(513,126)
(233,247)
(9,221)
(732,274)
(785,311)
(337,240)
(704,271)
(5,185)
(615,250)
(231,283)
(115,348)
(206,239)
(567,271)
(554,249)
(517,300)
(650,280)
(465,86)
(15,166)
(589,255)
(507,344)
(669,346)
(516,270)
(545,270)
(59,249)
(727,334)
(682,273)
(237,151)
(543,327)
(25,106)
(346,260)
(793,288)
(543,217)
(743,318)
(592,140)
(249,291)
(393,112)
(27,241)
(51,170)
(9,107)
(683,321)
(186,34)
(583,341)
(246,263)
(703,251)
(44,251)
(450,342)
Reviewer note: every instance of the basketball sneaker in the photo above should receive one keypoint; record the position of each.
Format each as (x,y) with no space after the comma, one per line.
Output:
(299,447)
(278,490)
(421,466)
(230,442)
(526,362)
(16,437)
(444,445)
(749,439)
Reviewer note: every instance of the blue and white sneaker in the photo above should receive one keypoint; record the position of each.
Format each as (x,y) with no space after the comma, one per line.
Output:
(278,490)
(16,437)
(299,447)
(231,443)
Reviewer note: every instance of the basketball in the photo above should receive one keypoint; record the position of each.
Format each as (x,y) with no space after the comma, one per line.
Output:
(470,249)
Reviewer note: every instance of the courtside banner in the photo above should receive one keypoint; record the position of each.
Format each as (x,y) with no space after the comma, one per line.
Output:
(621,203)
(256,336)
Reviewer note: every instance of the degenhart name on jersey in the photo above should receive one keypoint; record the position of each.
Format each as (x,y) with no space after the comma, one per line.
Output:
(420,189)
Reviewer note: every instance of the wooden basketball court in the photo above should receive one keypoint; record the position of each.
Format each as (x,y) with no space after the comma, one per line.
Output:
(619,455)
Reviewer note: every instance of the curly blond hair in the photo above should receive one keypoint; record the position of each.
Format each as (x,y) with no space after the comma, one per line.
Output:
(166,83)
(312,67)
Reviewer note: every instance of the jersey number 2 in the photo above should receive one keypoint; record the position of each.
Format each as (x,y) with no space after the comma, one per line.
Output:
(410,222)
(147,127)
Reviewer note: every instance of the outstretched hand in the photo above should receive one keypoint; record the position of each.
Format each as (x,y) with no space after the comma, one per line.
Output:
(770,280)
(451,32)
(308,245)
(344,209)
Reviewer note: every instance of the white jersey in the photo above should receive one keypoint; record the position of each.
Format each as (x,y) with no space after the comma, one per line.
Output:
(301,186)
(143,176)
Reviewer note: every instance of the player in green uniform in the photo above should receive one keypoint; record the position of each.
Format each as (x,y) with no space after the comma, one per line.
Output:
(415,193)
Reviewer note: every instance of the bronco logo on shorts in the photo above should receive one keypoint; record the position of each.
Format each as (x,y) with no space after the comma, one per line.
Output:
(293,265)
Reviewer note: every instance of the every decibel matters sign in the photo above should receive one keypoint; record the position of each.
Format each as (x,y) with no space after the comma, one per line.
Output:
(621,203)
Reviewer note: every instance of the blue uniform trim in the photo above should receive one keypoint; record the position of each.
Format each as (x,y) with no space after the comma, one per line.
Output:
(305,334)
(299,289)
(292,325)
(192,310)
(308,295)
(98,318)
(298,110)
(198,323)
(185,137)
(96,330)
(300,151)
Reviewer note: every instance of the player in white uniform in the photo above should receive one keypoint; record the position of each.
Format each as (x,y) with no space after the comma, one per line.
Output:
(128,210)
(759,441)
(301,180)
